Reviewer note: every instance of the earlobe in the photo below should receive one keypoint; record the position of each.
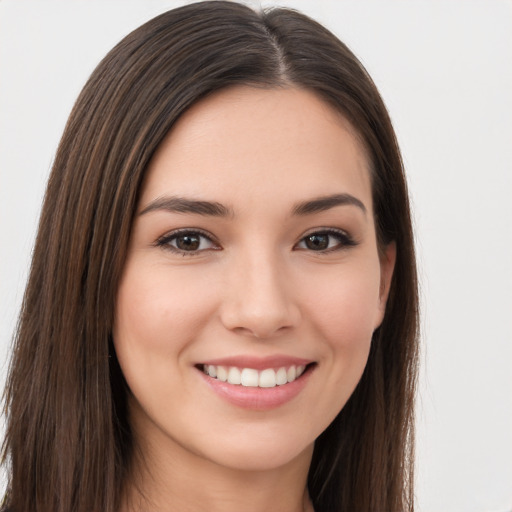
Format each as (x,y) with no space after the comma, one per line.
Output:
(387,258)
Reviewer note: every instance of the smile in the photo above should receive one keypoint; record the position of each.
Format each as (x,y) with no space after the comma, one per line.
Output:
(250,377)
(257,383)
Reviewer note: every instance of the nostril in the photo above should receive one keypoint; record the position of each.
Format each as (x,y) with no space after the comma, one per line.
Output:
(261,332)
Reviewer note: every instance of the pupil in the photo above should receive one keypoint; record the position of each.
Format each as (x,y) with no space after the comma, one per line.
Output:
(317,242)
(188,242)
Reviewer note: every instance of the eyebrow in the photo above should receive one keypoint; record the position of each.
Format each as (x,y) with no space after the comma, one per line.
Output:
(183,205)
(176,204)
(321,204)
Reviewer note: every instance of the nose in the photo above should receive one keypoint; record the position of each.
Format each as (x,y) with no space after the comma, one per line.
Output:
(259,298)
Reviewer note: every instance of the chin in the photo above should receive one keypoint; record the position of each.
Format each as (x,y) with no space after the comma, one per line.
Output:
(260,458)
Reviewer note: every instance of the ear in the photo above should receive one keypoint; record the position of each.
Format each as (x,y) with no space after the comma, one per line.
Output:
(387,257)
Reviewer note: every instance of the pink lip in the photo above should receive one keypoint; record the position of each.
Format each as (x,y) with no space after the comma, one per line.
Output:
(258,363)
(257,399)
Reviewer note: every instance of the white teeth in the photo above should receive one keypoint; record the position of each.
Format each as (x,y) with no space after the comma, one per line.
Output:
(291,374)
(281,377)
(222,373)
(267,379)
(249,377)
(234,376)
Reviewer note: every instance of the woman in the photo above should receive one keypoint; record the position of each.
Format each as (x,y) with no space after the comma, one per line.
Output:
(222,305)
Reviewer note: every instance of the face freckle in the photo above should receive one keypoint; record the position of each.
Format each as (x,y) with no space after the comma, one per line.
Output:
(221,273)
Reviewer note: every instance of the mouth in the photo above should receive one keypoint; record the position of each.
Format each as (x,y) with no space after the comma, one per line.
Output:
(255,383)
(255,378)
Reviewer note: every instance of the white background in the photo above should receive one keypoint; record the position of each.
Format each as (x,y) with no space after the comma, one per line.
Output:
(444,69)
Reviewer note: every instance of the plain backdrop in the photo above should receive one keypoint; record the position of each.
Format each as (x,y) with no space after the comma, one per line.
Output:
(444,69)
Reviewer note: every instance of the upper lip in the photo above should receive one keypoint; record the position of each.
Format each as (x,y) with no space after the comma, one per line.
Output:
(258,363)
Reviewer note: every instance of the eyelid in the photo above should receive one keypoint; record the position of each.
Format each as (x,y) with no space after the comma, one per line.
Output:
(325,229)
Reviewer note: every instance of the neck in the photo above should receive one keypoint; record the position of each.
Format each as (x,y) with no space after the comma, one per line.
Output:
(167,477)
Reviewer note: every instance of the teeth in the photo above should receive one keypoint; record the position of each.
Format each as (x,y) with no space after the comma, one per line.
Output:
(234,376)
(281,377)
(222,373)
(249,377)
(267,379)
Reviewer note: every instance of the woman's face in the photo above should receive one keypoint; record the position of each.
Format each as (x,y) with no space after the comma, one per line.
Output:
(253,258)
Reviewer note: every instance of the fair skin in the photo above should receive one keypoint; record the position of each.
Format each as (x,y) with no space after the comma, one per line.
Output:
(263,274)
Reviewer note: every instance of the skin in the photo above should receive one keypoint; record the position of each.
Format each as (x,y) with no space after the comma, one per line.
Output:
(255,288)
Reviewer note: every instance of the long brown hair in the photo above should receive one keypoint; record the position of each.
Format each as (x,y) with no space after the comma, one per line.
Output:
(68,443)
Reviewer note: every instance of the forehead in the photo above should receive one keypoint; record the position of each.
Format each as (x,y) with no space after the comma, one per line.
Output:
(245,144)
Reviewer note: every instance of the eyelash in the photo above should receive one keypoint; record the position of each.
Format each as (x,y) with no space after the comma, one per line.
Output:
(165,241)
(344,241)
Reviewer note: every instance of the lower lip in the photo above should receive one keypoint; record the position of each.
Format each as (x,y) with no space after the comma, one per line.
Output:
(255,398)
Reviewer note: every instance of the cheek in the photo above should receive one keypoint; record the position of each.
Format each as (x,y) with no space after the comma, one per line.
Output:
(345,312)
(341,316)
(158,311)
(347,305)
(157,317)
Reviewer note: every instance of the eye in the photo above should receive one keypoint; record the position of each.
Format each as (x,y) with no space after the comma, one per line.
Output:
(187,242)
(326,240)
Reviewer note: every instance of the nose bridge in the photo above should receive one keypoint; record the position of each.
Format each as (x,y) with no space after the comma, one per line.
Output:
(259,300)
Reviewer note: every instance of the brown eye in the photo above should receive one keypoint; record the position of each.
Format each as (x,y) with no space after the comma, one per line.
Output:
(187,242)
(326,241)
(190,242)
